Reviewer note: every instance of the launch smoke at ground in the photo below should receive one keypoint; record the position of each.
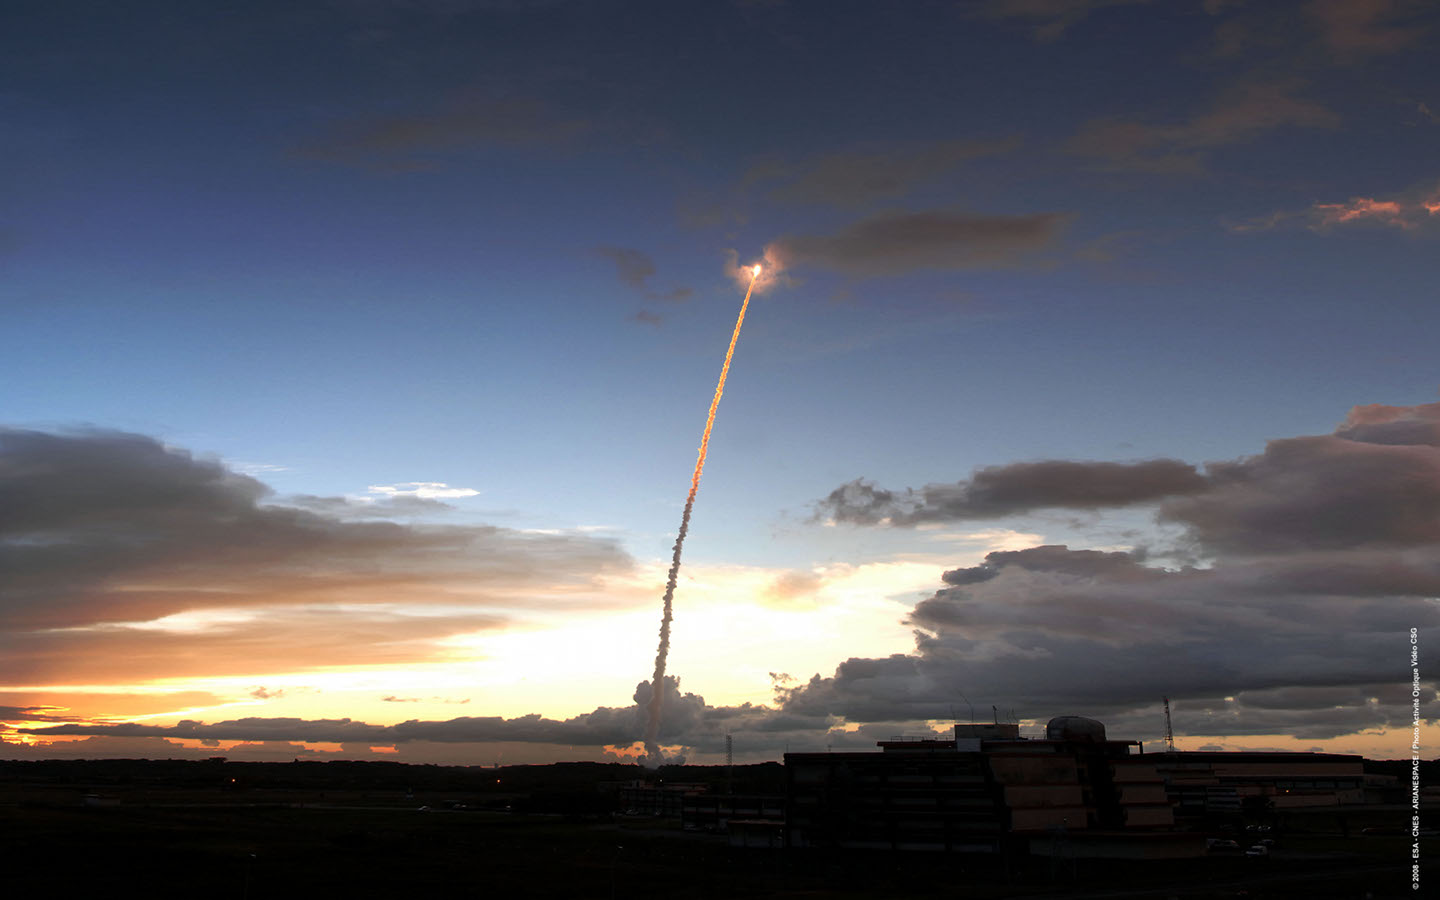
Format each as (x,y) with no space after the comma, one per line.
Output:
(657,683)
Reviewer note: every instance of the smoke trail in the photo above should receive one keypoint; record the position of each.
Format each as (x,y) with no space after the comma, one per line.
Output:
(657,684)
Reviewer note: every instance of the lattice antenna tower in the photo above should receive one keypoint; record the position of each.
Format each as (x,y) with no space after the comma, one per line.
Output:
(729,764)
(1169,732)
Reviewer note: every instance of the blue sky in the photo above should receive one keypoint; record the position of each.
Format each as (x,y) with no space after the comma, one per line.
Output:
(489,244)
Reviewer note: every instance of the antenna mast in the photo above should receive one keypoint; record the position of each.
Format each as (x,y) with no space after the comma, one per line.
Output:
(1169,732)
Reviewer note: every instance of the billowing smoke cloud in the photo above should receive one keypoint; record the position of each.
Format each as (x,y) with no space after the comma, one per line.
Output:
(655,706)
(895,243)
(996,491)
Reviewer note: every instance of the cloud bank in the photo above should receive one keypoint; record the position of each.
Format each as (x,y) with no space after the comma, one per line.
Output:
(105,536)
(1321,552)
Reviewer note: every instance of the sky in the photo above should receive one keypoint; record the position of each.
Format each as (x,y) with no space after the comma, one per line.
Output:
(354,355)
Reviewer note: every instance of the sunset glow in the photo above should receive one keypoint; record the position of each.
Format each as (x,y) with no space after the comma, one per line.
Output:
(356,358)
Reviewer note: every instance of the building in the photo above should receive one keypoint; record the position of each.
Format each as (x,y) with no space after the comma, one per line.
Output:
(986,791)
(715,812)
(663,799)
(1204,783)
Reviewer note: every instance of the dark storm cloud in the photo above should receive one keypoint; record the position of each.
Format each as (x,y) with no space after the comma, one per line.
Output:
(1325,551)
(1316,493)
(861,176)
(1045,641)
(997,491)
(1244,113)
(1049,18)
(100,528)
(413,140)
(894,243)
(1050,558)
(1374,483)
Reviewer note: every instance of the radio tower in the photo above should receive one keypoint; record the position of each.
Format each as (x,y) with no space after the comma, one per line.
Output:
(729,765)
(1169,732)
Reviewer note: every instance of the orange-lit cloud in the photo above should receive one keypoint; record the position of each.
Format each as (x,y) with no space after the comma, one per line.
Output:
(1408,210)
(1386,212)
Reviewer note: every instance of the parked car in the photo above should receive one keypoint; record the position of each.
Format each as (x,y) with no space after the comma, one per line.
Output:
(1258,850)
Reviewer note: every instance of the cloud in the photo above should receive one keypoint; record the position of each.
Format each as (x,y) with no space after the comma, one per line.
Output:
(1241,115)
(1411,210)
(857,177)
(633,266)
(425,490)
(689,722)
(1050,18)
(894,243)
(1323,551)
(416,141)
(996,491)
(1354,29)
(33,714)
(1110,638)
(1374,483)
(635,269)
(368,507)
(102,532)
(1316,493)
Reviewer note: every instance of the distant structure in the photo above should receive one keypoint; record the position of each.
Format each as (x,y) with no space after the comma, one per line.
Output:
(988,790)
(1169,732)
(1074,793)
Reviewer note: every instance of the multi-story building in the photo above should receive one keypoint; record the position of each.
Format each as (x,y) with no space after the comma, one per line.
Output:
(986,790)
(1200,783)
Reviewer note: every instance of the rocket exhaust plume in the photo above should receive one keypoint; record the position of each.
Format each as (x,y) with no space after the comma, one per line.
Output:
(657,684)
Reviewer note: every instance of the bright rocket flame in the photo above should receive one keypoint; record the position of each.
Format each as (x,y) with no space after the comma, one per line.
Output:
(657,683)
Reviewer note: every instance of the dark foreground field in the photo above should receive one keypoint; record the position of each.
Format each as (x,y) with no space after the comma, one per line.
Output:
(306,831)
(260,852)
